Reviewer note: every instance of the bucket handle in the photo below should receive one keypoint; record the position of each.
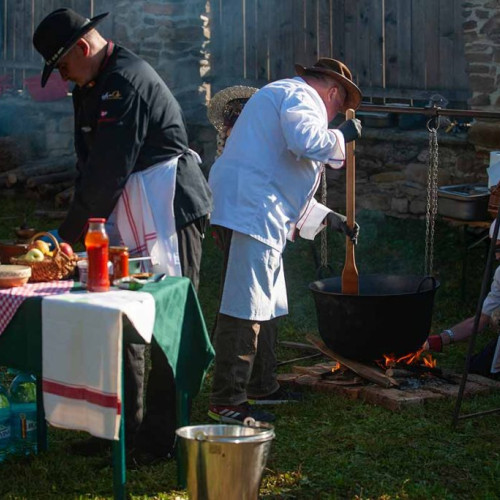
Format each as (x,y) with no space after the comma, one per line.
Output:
(424,279)
(248,422)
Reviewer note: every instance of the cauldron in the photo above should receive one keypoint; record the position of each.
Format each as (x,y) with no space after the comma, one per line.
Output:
(391,315)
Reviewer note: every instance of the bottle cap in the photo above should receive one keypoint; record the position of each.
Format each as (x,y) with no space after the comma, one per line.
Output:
(97,219)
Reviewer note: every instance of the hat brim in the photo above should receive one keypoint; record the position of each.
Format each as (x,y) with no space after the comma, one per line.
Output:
(48,68)
(215,108)
(353,92)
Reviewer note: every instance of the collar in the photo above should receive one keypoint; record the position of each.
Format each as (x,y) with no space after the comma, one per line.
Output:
(109,50)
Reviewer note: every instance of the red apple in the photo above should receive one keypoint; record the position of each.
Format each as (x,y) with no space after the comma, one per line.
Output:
(66,249)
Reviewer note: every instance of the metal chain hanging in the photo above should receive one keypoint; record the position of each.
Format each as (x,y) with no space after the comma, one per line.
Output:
(432,197)
(325,270)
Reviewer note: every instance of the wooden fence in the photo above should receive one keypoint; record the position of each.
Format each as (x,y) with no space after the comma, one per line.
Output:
(18,19)
(395,48)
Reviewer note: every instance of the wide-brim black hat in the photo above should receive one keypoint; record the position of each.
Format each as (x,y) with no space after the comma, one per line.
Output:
(57,34)
(338,71)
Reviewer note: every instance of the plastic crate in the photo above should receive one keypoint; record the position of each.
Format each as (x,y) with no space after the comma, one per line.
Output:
(55,89)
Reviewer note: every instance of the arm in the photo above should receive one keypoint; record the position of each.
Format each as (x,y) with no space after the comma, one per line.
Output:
(306,132)
(119,135)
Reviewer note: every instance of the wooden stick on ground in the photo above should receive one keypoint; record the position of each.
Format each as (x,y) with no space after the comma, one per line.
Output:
(361,369)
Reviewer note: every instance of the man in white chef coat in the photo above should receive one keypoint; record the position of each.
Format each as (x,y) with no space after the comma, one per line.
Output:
(263,188)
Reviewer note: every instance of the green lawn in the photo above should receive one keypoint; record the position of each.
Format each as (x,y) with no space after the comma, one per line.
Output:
(326,447)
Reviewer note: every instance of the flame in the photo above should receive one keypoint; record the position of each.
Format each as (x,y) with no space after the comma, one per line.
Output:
(336,367)
(410,359)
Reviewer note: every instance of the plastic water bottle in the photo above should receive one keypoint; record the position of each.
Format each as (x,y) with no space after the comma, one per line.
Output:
(5,424)
(23,406)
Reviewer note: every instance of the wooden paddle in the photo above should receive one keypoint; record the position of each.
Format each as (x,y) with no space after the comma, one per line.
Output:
(350,278)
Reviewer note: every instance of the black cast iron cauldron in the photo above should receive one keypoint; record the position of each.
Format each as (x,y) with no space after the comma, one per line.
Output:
(391,315)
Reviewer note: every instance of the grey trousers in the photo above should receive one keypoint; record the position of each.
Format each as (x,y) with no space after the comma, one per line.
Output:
(245,360)
(245,351)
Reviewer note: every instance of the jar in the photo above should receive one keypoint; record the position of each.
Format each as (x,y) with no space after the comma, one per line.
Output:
(119,258)
(97,246)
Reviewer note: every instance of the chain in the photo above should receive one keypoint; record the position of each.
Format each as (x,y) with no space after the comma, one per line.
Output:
(324,247)
(432,198)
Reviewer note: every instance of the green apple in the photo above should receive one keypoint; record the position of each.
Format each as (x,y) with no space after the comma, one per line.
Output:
(34,255)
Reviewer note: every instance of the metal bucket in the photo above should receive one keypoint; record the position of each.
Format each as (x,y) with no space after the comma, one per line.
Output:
(224,461)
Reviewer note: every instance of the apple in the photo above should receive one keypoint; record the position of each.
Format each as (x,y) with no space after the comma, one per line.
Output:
(34,255)
(66,248)
(42,246)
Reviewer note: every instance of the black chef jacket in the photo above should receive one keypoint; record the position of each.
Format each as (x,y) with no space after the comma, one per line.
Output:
(126,121)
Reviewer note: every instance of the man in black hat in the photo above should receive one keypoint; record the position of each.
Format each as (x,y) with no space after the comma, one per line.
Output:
(263,185)
(128,125)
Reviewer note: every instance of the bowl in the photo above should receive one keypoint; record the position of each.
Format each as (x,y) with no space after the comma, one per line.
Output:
(25,233)
(9,248)
(12,275)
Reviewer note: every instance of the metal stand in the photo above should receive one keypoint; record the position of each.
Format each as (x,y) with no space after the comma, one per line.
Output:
(484,291)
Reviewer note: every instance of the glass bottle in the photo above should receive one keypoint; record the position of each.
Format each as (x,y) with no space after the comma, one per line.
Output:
(97,246)
(119,258)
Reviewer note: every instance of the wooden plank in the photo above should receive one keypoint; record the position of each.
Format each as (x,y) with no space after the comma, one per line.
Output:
(324,29)
(404,76)
(418,43)
(263,69)
(299,32)
(282,53)
(233,37)
(391,63)
(216,36)
(364,41)
(431,45)
(250,69)
(446,42)
(337,8)
(351,38)
(460,79)
(376,22)
(311,30)
(365,371)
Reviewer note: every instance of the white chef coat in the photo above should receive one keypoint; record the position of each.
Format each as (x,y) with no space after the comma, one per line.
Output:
(270,169)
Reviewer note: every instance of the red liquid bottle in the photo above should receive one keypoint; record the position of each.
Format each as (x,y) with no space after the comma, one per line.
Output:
(97,246)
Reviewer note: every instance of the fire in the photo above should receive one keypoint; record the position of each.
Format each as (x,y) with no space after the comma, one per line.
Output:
(390,361)
(336,367)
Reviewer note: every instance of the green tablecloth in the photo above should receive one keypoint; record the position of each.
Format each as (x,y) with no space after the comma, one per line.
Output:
(179,329)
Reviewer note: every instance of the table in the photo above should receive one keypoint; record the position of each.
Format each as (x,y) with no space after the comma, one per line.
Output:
(469,243)
(179,329)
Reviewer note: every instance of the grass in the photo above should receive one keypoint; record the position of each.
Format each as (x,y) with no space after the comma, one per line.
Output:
(326,447)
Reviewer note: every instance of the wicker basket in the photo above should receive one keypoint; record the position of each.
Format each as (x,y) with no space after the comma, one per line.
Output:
(57,267)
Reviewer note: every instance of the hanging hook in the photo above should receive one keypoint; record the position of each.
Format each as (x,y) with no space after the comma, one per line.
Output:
(435,119)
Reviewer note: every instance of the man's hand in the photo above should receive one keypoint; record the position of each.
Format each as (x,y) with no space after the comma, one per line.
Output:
(351,129)
(338,222)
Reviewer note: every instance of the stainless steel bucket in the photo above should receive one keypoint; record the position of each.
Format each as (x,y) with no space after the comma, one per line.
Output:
(224,461)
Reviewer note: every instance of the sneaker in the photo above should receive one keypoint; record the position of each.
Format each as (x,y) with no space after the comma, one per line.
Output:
(279,396)
(238,414)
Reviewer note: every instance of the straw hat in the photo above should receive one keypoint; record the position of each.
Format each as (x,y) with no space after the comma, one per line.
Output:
(225,106)
(339,72)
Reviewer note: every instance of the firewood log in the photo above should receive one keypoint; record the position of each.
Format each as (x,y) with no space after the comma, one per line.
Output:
(55,178)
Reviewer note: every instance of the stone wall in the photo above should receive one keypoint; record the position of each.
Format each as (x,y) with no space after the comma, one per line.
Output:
(391,170)
(482,51)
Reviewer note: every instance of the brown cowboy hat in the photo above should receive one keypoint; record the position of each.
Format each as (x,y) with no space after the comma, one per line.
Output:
(338,71)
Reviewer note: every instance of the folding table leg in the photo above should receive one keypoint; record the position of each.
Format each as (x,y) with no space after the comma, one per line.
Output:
(182,420)
(41,424)
(119,463)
